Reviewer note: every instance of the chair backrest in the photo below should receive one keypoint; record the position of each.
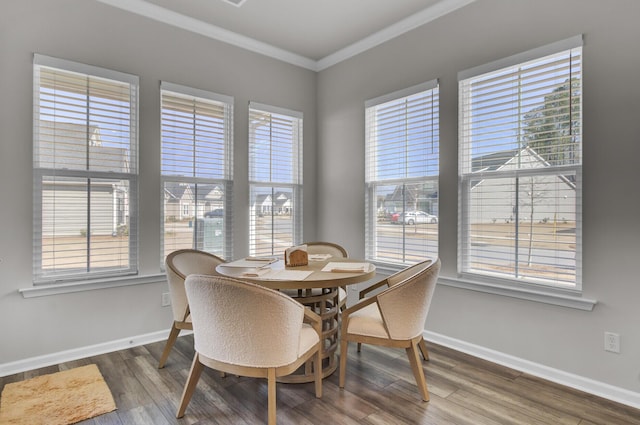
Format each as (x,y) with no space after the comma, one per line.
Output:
(326,248)
(181,263)
(403,274)
(404,306)
(242,323)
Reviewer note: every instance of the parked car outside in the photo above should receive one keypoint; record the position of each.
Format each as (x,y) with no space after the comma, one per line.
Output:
(218,212)
(393,217)
(415,217)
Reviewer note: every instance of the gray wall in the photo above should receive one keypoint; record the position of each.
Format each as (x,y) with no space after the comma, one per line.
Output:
(486,30)
(93,33)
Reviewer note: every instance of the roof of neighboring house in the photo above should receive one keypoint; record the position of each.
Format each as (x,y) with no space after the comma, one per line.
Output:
(493,161)
(260,199)
(282,195)
(497,160)
(176,190)
(397,196)
(281,198)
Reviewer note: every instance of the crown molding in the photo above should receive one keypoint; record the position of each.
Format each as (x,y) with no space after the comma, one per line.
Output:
(161,14)
(169,17)
(427,15)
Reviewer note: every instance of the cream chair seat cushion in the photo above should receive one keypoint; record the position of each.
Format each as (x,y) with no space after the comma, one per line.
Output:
(308,338)
(342,294)
(367,322)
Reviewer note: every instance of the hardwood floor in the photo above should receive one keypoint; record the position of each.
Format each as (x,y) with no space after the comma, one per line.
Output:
(379,390)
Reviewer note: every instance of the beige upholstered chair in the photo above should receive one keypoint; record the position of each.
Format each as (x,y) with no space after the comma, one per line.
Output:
(336,251)
(179,264)
(393,318)
(391,281)
(326,248)
(249,330)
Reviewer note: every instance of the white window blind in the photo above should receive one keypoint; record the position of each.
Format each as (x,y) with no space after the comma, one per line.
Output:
(85,166)
(197,170)
(401,165)
(275,178)
(520,167)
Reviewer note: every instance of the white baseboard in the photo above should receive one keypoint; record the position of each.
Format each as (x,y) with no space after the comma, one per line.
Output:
(600,389)
(82,352)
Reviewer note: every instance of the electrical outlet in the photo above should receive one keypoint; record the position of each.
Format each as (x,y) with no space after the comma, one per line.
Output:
(612,342)
(166,299)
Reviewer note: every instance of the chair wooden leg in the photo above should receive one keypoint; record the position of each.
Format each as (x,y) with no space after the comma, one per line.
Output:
(190,385)
(317,370)
(359,347)
(418,372)
(343,361)
(271,391)
(173,336)
(423,349)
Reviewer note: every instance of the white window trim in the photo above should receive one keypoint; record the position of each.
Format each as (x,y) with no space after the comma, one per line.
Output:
(548,294)
(296,187)
(90,285)
(538,52)
(226,182)
(371,183)
(276,110)
(427,85)
(103,280)
(553,296)
(190,91)
(82,68)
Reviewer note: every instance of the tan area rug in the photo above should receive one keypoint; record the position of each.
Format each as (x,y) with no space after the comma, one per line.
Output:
(61,398)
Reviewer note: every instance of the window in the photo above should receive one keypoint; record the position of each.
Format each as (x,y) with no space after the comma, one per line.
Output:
(520,165)
(197,170)
(275,179)
(401,163)
(85,167)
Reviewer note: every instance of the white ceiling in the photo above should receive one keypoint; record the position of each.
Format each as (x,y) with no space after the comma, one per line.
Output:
(312,34)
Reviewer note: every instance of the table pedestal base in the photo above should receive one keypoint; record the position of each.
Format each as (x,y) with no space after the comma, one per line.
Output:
(324,302)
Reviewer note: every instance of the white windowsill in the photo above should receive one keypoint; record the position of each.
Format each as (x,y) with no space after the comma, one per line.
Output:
(547,297)
(89,285)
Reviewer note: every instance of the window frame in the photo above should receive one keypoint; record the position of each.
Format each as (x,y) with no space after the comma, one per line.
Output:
(500,282)
(202,97)
(41,173)
(374,181)
(271,186)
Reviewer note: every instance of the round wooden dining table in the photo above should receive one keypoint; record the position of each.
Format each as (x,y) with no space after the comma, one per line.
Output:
(314,285)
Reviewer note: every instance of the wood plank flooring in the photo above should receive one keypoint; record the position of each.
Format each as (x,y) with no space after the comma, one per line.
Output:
(380,390)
